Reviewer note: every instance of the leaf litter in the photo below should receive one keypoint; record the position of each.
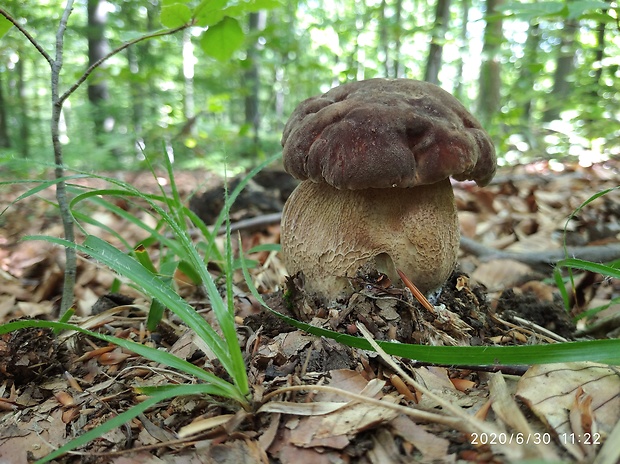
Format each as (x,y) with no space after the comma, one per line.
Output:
(316,399)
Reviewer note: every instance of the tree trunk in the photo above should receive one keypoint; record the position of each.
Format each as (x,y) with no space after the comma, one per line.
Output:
(188,79)
(565,65)
(24,122)
(257,22)
(97,49)
(5,141)
(490,78)
(526,79)
(433,63)
(384,41)
(463,50)
(600,50)
(399,70)
(138,58)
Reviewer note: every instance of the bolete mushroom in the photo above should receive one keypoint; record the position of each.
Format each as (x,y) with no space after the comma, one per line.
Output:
(375,159)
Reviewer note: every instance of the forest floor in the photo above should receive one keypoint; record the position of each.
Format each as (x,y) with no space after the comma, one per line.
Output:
(52,389)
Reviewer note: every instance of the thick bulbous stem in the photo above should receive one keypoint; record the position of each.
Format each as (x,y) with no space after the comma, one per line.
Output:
(328,234)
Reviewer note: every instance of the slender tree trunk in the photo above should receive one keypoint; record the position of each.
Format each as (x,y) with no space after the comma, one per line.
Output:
(526,79)
(463,50)
(5,141)
(257,22)
(23,104)
(97,49)
(68,294)
(399,70)
(490,78)
(188,79)
(138,58)
(384,41)
(600,49)
(565,65)
(433,63)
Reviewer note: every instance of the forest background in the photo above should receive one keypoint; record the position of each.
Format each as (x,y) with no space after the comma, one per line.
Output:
(543,77)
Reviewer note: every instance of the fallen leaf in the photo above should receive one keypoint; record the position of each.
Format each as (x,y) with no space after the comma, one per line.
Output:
(550,390)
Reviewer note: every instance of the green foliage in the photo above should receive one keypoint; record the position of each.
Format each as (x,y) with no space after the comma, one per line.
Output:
(175,15)
(155,280)
(223,39)
(553,9)
(610,270)
(5,25)
(304,49)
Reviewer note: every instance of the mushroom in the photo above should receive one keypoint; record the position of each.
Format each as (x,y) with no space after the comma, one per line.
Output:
(375,158)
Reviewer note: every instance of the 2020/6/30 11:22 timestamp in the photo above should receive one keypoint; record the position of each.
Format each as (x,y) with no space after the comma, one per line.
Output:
(583,438)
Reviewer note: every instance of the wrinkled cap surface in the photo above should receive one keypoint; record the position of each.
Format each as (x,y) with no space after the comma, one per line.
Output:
(382,133)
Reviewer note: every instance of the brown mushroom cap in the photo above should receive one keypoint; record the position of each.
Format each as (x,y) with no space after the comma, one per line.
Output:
(382,133)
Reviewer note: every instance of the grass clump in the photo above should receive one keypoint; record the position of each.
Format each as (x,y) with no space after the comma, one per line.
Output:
(135,266)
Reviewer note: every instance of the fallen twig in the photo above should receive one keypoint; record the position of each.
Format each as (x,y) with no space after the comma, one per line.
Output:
(543,260)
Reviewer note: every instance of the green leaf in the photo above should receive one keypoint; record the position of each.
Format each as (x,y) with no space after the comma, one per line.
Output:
(530,11)
(175,15)
(5,26)
(244,7)
(577,9)
(209,12)
(223,39)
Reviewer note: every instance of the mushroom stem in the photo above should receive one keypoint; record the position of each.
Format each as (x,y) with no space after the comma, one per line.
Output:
(328,234)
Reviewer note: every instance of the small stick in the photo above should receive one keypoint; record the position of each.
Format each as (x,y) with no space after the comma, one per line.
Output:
(416,293)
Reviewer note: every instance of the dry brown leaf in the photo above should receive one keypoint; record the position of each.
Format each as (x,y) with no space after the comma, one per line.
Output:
(238,452)
(316,408)
(432,446)
(355,418)
(508,411)
(498,274)
(550,391)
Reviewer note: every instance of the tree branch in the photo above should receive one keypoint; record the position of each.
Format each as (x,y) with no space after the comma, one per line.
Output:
(98,63)
(26,34)
(543,260)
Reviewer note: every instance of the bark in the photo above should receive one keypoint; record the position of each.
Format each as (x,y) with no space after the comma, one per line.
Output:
(24,106)
(490,78)
(384,42)
(188,82)
(399,70)
(565,65)
(433,63)
(463,50)
(137,58)
(600,50)
(5,141)
(61,189)
(257,22)
(526,76)
(97,49)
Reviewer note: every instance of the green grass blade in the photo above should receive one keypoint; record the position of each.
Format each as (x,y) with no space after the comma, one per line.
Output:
(171,391)
(603,269)
(235,193)
(33,191)
(152,286)
(224,388)
(559,283)
(94,196)
(603,351)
